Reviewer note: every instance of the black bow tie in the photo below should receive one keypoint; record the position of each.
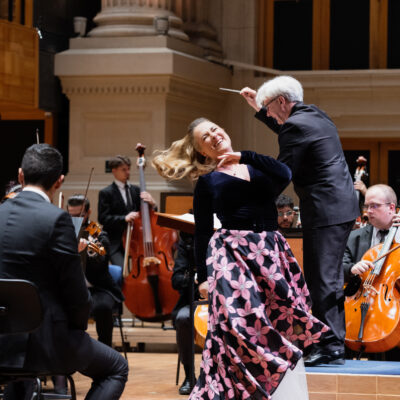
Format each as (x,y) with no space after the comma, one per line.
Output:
(382,234)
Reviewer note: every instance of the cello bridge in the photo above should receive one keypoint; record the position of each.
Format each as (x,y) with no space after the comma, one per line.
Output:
(151,260)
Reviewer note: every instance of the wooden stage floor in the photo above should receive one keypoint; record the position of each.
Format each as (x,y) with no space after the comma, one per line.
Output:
(151,377)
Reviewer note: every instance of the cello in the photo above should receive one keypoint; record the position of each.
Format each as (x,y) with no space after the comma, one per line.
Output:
(147,287)
(373,312)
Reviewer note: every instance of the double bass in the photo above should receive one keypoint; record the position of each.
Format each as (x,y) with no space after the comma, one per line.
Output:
(147,285)
(373,312)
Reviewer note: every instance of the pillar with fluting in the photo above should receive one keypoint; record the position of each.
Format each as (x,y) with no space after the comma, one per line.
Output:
(135,18)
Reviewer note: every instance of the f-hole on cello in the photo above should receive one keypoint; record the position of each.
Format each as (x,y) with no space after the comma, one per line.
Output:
(147,287)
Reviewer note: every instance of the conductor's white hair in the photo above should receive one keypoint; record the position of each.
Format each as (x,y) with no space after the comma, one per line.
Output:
(285,86)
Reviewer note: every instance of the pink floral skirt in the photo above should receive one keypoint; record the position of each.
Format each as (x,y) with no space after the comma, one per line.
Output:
(259,316)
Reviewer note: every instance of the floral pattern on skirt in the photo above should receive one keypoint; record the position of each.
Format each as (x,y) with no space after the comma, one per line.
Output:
(259,316)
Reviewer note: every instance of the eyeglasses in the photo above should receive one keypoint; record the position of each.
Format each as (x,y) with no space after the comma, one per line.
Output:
(271,101)
(374,206)
(285,214)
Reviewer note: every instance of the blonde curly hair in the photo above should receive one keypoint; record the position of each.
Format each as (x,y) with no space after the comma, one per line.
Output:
(183,158)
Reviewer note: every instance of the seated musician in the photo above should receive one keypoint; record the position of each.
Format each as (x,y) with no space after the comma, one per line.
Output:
(380,203)
(181,312)
(119,203)
(38,243)
(106,295)
(285,205)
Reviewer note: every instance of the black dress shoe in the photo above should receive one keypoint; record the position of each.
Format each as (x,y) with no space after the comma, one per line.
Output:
(320,357)
(185,387)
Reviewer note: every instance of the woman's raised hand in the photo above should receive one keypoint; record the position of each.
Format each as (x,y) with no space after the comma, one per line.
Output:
(250,96)
(232,157)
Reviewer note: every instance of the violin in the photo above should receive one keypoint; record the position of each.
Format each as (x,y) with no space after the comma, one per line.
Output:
(94,246)
(373,312)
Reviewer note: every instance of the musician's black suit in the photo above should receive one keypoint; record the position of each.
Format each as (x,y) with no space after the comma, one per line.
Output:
(38,243)
(112,211)
(357,245)
(309,144)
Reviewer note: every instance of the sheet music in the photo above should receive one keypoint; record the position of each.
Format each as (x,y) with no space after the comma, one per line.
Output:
(190,218)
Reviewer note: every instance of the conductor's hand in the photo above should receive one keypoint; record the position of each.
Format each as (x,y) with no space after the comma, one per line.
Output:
(146,196)
(250,96)
(131,216)
(232,157)
(203,290)
(361,267)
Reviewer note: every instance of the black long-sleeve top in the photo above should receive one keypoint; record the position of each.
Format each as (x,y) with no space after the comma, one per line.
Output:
(238,203)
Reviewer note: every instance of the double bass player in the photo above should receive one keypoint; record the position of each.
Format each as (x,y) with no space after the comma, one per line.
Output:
(119,204)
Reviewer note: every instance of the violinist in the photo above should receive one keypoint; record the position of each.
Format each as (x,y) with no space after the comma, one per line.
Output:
(42,248)
(380,205)
(119,203)
(106,295)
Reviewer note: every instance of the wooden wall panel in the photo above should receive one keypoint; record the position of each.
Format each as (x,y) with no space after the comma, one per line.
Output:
(18,64)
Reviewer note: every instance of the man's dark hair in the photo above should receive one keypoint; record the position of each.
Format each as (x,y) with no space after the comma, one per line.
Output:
(284,201)
(119,160)
(42,165)
(78,200)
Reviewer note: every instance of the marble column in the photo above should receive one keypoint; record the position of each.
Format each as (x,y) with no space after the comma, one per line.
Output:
(195,17)
(135,18)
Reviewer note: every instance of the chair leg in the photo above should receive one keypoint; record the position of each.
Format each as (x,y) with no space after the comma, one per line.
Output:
(178,367)
(124,344)
(72,387)
(38,393)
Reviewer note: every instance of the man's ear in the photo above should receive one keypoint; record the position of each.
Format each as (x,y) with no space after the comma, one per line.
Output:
(59,182)
(21,178)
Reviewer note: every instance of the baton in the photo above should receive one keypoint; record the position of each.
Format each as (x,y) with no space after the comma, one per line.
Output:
(229,90)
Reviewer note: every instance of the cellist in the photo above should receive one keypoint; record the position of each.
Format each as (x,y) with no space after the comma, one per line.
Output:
(380,204)
(119,204)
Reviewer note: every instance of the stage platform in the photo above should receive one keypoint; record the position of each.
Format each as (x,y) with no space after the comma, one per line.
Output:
(152,375)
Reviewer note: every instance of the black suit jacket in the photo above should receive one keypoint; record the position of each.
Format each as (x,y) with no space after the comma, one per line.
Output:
(112,211)
(358,243)
(38,243)
(309,144)
(97,272)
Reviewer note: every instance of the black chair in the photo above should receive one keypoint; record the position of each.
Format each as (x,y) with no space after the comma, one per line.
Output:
(116,274)
(21,312)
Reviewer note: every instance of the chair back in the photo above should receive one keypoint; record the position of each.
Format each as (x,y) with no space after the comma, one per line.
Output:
(116,274)
(20,306)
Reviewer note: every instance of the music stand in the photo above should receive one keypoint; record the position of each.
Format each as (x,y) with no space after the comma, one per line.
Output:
(177,222)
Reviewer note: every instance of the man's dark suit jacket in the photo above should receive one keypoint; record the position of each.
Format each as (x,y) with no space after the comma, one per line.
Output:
(358,243)
(309,144)
(112,211)
(38,243)
(97,272)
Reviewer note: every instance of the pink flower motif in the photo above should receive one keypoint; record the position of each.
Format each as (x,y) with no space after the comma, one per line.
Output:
(258,333)
(260,356)
(288,349)
(223,269)
(258,251)
(207,361)
(238,322)
(211,387)
(226,305)
(237,238)
(241,287)
(271,275)
(270,381)
(247,310)
(286,314)
(212,284)
(308,338)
